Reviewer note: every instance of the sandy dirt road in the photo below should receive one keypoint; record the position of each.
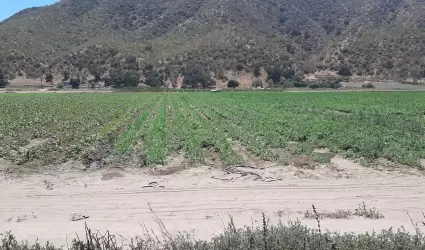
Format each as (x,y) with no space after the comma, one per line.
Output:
(201,200)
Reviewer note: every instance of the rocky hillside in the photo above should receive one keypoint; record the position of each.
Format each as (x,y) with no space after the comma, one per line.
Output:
(359,37)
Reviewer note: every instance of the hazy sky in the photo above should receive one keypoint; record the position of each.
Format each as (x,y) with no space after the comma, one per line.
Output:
(10,7)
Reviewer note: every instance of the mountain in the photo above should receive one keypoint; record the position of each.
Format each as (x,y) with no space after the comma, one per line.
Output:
(363,37)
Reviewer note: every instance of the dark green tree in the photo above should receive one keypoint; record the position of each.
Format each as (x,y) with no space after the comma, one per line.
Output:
(75,83)
(232,84)
(3,80)
(344,70)
(196,77)
(125,78)
(95,71)
(257,71)
(155,79)
(49,77)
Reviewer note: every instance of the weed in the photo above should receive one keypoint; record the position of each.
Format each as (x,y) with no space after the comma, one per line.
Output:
(339,214)
(292,235)
(372,213)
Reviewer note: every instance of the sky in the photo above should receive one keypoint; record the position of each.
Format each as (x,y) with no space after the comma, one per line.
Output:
(10,7)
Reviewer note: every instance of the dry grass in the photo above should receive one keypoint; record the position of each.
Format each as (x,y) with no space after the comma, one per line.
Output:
(337,215)
(371,213)
(361,211)
(267,237)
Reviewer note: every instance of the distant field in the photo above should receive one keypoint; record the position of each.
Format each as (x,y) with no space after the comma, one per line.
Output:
(153,128)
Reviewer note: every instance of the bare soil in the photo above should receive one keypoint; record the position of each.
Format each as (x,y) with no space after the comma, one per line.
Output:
(200,200)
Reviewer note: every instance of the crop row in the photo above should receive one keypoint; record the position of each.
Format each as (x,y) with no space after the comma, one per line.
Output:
(203,127)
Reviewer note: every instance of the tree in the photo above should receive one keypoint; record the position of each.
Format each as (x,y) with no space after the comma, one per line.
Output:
(131,63)
(75,83)
(125,78)
(257,71)
(275,73)
(3,80)
(155,79)
(196,77)
(49,77)
(232,84)
(344,70)
(42,72)
(279,71)
(96,72)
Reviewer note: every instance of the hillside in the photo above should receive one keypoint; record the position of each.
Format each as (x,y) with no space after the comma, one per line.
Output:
(369,37)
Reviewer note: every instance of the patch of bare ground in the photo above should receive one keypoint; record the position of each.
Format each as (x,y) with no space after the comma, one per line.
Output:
(34,143)
(98,156)
(184,199)
(212,159)
(249,159)
(299,161)
(245,173)
(175,164)
(113,173)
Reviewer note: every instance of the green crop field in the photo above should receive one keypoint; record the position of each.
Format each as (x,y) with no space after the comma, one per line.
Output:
(49,129)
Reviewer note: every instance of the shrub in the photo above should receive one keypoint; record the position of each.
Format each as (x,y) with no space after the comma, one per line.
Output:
(233,84)
(60,85)
(326,84)
(300,84)
(344,70)
(368,86)
(293,235)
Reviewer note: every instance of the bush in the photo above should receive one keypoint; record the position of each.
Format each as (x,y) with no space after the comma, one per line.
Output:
(293,235)
(368,86)
(60,85)
(344,70)
(233,84)
(300,84)
(325,84)
(75,83)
